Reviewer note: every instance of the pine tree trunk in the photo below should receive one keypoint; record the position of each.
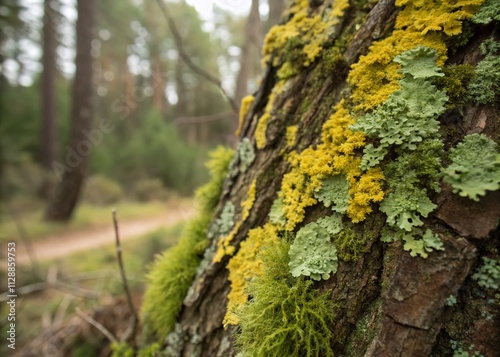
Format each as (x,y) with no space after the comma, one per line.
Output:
(64,200)
(49,138)
(389,303)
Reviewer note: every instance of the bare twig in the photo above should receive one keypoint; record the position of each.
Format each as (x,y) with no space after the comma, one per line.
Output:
(97,325)
(61,310)
(124,281)
(185,57)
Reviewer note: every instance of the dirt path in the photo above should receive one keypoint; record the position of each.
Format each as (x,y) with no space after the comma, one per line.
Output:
(65,244)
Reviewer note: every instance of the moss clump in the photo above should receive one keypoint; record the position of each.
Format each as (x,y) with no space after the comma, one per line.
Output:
(169,279)
(286,316)
(350,244)
(454,83)
(207,196)
(172,272)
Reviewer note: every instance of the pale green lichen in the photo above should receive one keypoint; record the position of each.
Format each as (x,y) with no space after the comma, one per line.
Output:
(312,253)
(488,12)
(417,242)
(485,86)
(226,220)
(475,167)
(334,193)
(246,154)
(276,215)
(488,275)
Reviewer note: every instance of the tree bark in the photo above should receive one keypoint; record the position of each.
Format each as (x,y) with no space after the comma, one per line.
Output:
(250,51)
(49,136)
(65,198)
(390,304)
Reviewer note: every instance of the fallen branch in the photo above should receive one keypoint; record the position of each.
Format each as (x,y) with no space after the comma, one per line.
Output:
(135,319)
(97,325)
(185,57)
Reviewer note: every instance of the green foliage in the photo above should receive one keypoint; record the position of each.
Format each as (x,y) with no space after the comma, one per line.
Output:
(147,190)
(485,86)
(475,167)
(218,165)
(334,192)
(488,12)
(169,279)
(286,316)
(226,220)
(246,153)
(276,214)
(488,275)
(100,190)
(121,349)
(312,253)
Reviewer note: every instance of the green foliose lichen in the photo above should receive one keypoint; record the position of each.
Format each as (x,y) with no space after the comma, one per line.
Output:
(488,274)
(312,253)
(475,167)
(246,154)
(485,86)
(487,13)
(334,193)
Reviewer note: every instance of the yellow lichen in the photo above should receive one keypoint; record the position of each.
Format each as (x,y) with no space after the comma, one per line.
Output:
(422,22)
(310,32)
(260,131)
(246,103)
(224,246)
(291,135)
(246,265)
(247,205)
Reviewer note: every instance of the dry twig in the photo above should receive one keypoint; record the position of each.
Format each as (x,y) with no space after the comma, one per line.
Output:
(185,57)
(97,325)
(135,319)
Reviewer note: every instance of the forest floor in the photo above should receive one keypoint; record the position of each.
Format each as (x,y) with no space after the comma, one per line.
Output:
(64,244)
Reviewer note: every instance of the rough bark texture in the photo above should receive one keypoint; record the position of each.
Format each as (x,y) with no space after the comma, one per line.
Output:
(67,192)
(390,304)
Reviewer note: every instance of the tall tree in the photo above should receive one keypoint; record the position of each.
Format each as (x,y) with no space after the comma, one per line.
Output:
(335,232)
(67,192)
(276,8)
(49,138)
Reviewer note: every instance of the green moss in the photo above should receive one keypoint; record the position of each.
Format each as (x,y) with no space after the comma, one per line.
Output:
(207,196)
(286,316)
(169,279)
(350,244)
(454,83)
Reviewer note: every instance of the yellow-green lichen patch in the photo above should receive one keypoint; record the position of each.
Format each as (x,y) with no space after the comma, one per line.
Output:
(302,37)
(336,154)
(421,22)
(224,246)
(260,131)
(246,103)
(245,266)
(291,135)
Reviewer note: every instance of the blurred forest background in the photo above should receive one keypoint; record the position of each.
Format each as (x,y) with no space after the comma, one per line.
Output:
(165,116)
(161,118)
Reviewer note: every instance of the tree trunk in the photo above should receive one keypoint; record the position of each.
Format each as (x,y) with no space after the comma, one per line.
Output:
(388,303)
(64,200)
(49,138)
(276,8)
